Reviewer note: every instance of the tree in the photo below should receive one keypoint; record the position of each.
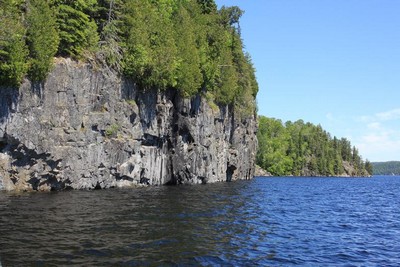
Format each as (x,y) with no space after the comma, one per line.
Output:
(345,148)
(227,82)
(42,38)
(207,6)
(369,167)
(189,77)
(230,17)
(149,45)
(273,145)
(13,49)
(108,20)
(78,30)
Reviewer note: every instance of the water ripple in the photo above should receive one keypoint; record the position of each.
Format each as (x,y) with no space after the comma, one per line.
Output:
(264,222)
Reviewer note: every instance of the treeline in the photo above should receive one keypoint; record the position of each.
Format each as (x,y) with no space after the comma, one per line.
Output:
(304,149)
(386,168)
(188,45)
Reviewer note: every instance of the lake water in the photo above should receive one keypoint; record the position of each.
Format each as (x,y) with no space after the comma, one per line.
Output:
(263,222)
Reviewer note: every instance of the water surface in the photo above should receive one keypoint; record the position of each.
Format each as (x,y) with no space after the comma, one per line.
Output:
(263,222)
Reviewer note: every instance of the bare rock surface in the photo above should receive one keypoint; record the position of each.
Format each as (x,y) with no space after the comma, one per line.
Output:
(86,128)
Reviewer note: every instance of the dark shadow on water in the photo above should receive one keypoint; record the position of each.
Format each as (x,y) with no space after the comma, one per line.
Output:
(263,222)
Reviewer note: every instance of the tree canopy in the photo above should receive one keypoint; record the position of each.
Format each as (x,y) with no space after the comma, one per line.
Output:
(386,168)
(188,45)
(13,48)
(299,148)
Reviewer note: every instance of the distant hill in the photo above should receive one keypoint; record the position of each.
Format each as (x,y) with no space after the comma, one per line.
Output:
(386,168)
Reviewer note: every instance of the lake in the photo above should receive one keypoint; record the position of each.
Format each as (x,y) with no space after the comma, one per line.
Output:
(262,222)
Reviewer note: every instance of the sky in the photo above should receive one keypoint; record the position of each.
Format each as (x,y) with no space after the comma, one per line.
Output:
(330,62)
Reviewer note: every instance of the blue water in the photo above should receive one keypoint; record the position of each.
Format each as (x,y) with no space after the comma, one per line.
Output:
(263,222)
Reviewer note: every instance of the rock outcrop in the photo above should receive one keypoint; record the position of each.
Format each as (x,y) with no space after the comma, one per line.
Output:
(86,128)
(261,172)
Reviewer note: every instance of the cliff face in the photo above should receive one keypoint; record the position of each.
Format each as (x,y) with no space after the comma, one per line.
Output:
(86,129)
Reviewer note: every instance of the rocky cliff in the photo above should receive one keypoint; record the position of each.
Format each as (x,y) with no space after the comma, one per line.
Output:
(86,128)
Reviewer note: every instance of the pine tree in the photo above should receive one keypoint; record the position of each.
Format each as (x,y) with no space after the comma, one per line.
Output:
(207,6)
(42,38)
(369,167)
(13,49)
(227,85)
(108,20)
(78,30)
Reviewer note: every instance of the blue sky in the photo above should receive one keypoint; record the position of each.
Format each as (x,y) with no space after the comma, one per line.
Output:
(332,62)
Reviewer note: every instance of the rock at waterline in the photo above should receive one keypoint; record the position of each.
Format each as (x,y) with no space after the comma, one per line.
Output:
(87,129)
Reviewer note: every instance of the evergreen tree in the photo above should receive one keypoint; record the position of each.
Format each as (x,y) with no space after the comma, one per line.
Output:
(108,20)
(13,49)
(207,6)
(189,77)
(227,83)
(369,167)
(78,30)
(42,38)
(149,45)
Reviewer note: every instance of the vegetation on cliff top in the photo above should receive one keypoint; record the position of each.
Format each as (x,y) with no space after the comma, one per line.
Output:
(188,45)
(304,149)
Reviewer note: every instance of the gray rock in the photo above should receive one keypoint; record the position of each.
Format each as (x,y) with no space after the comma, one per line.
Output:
(85,128)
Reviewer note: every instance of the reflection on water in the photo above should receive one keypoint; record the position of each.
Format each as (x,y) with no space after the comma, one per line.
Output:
(164,224)
(272,221)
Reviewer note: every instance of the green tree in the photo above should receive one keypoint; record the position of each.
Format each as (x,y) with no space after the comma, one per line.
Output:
(345,148)
(13,49)
(108,20)
(78,30)
(189,77)
(42,38)
(273,145)
(368,167)
(149,45)
(230,17)
(227,83)
(207,6)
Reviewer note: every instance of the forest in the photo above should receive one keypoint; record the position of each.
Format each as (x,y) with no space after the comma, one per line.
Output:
(304,149)
(187,45)
(386,168)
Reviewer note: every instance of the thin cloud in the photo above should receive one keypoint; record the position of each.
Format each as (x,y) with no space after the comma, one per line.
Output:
(374,126)
(377,136)
(380,140)
(390,115)
(380,147)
